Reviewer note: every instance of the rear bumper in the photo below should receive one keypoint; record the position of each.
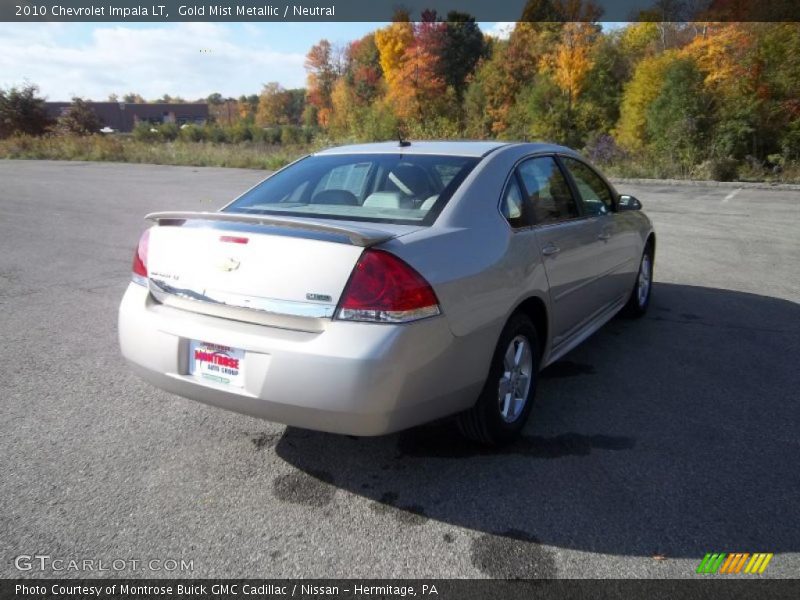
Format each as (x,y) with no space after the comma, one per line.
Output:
(352,378)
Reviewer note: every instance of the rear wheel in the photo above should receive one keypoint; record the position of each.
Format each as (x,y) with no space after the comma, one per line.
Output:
(507,396)
(640,295)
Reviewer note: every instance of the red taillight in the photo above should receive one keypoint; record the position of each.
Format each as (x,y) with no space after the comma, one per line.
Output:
(386,289)
(140,259)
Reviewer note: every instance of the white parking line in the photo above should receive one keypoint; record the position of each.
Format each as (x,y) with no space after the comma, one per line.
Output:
(730,196)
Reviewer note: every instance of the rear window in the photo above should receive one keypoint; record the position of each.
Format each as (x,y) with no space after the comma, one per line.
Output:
(384,188)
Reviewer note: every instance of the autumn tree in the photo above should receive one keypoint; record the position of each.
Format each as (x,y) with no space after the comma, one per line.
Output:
(363,70)
(733,74)
(322,70)
(670,91)
(418,90)
(640,91)
(568,65)
(572,59)
(514,64)
(343,106)
(392,42)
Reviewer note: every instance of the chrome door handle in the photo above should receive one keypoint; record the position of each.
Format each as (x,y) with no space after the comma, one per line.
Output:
(550,250)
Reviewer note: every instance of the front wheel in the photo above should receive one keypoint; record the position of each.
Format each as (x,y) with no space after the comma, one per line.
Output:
(640,295)
(507,396)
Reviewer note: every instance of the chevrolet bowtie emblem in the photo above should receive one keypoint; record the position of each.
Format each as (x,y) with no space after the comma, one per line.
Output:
(228,264)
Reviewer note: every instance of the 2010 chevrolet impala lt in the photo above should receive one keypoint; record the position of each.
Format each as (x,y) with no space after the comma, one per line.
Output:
(366,289)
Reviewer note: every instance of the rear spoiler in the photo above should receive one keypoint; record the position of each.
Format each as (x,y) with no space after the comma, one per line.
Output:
(358,236)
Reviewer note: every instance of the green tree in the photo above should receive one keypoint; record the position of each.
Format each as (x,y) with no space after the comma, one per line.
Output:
(215,99)
(22,111)
(79,119)
(477,122)
(463,46)
(678,119)
(133,98)
(541,113)
(602,94)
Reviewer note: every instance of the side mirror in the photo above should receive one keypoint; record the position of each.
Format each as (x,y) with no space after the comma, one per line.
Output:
(626,202)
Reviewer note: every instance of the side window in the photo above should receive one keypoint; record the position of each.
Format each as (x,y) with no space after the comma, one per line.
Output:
(595,195)
(548,193)
(511,206)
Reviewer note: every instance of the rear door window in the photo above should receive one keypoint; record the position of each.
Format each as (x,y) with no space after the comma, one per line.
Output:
(548,194)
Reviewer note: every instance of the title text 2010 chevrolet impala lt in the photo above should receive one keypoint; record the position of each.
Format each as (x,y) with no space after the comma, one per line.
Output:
(367,289)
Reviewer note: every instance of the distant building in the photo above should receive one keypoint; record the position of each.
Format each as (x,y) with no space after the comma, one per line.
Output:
(123,116)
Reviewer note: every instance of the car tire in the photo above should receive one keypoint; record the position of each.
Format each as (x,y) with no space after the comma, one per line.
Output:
(506,400)
(642,290)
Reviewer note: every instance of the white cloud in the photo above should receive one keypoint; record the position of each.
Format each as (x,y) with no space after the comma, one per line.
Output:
(501,30)
(190,60)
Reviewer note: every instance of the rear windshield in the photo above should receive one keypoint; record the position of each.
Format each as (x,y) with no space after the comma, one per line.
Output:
(386,188)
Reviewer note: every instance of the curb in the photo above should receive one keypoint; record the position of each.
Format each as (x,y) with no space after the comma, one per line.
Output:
(752,185)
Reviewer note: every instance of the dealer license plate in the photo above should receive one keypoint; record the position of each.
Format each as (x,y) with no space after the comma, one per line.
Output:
(212,363)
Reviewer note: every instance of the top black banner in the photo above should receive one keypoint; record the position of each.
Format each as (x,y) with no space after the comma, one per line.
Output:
(384,11)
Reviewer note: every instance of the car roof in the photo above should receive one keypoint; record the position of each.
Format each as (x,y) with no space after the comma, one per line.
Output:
(445,148)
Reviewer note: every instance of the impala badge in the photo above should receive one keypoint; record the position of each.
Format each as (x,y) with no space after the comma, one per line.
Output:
(228,264)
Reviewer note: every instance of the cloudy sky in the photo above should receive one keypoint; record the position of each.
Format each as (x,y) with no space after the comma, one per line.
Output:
(191,60)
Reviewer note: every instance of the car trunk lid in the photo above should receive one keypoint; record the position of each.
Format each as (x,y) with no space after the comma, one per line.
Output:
(276,271)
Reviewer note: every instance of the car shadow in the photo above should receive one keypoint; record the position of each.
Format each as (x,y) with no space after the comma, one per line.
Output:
(672,435)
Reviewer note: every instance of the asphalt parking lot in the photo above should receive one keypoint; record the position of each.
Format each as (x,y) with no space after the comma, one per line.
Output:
(653,443)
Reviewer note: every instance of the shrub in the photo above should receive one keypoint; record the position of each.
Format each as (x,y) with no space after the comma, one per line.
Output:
(169,131)
(308,134)
(718,169)
(192,133)
(603,150)
(272,135)
(216,134)
(290,134)
(241,132)
(145,132)
(436,128)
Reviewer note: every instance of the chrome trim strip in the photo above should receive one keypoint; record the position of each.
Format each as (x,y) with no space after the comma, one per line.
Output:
(358,236)
(162,291)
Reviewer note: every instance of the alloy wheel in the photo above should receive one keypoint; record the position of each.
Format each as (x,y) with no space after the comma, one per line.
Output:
(515,382)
